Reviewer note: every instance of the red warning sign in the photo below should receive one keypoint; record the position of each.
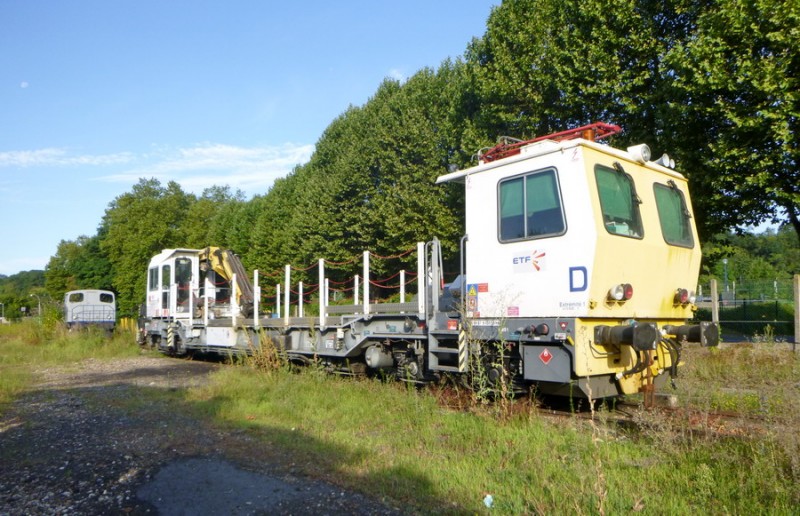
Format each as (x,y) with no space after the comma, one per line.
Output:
(545,356)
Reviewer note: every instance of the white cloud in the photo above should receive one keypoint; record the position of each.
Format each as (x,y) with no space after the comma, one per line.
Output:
(56,157)
(24,84)
(252,169)
(397,75)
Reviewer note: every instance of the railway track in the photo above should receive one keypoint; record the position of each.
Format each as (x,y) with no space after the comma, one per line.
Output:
(629,415)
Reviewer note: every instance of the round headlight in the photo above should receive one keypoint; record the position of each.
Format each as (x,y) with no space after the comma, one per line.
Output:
(640,153)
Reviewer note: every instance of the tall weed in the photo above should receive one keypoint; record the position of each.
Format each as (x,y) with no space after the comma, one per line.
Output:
(33,343)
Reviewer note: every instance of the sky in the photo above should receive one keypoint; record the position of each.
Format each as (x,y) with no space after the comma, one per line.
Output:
(96,94)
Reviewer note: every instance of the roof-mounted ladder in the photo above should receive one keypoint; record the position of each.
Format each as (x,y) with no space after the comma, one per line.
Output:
(593,132)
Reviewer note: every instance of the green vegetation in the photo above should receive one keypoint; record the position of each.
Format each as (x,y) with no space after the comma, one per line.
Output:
(405,444)
(401,443)
(32,344)
(760,379)
(760,266)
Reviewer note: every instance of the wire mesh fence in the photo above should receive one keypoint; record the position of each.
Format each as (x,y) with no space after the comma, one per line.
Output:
(753,310)
(750,290)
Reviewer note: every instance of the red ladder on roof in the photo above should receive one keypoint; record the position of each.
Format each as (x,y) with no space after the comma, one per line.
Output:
(594,132)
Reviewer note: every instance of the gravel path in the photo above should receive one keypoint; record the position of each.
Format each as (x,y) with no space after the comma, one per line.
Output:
(74,446)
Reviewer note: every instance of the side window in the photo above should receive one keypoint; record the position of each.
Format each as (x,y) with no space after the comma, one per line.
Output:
(152,282)
(183,277)
(512,211)
(618,202)
(166,273)
(530,207)
(673,215)
(106,297)
(76,297)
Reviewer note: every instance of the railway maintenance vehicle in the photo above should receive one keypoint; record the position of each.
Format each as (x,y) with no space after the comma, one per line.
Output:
(90,308)
(578,267)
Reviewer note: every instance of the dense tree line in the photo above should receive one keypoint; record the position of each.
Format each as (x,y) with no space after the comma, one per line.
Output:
(16,290)
(768,256)
(713,83)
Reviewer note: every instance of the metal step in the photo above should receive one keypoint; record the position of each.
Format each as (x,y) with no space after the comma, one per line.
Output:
(444,350)
(449,369)
(456,345)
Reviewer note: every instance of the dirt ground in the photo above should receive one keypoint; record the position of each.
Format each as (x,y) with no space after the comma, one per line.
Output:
(73,445)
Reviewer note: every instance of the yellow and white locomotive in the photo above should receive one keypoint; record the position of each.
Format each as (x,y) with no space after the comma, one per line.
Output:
(586,256)
(579,263)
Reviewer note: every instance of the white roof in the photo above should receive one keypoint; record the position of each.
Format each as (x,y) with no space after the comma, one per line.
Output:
(545,147)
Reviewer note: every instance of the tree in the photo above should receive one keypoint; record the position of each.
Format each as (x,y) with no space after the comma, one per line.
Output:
(203,225)
(738,75)
(370,183)
(233,225)
(78,264)
(271,246)
(16,289)
(714,83)
(138,225)
(548,65)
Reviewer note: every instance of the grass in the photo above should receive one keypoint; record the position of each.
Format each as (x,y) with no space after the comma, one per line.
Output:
(32,344)
(756,379)
(398,442)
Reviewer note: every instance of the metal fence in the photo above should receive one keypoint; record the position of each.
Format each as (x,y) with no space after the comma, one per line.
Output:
(781,289)
(754,310)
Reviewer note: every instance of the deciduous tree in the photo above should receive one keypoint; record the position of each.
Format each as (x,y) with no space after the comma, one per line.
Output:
(738,76)
(138,225)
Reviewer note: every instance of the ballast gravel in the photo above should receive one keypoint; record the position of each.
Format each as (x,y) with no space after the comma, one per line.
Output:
(74,446)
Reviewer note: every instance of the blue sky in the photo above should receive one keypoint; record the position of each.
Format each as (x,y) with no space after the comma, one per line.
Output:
(97,94)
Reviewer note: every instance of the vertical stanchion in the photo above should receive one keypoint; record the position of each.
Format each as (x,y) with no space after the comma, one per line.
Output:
(421,277)
(278,300)
(403,286)
(321,287)
(234,301)
(191,306)
(256,299)
(356,290)
(287,294)
(205,302)
(300,300)
(366,282)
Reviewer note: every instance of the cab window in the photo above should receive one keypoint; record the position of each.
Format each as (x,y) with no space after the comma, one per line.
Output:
(153,279)
(673,215)
(183,277)
(166,279)
(618,202)
(530,207)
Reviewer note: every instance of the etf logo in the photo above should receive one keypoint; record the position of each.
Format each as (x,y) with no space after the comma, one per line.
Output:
(532,262)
